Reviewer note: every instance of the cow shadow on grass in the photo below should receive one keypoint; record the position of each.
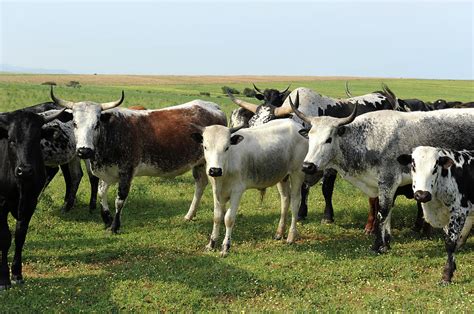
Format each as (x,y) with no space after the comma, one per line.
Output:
(144,276)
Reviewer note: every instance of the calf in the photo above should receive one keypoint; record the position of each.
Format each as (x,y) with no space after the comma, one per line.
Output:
(124,143)
(256,158)
(365,150)
(22,178)
(443,182)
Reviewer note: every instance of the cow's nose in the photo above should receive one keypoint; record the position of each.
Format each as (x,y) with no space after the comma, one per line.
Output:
(85,153)
(23,171)
(309,168)
(215,172)
(422,196)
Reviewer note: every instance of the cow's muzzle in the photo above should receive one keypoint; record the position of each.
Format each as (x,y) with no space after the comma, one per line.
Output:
(23,171)
(422,196)
(85,153)
(309,168)
(215,172)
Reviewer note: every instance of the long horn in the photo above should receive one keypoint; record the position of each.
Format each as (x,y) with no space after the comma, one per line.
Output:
(256,88)
(350,118)
(390,96)
(243,104)
(235,129)
(283,111)
(348,93)
(51,117)
(295,106)
(285,89)
(60,102)
(113,104)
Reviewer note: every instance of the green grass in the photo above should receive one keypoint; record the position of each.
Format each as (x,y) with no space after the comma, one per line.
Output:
(158,261)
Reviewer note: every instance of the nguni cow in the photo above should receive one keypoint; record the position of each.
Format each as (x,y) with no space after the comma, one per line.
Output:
(253,158)
(22,178)
(124,143)
(365,151)
(248,114)
(443,181)
(59,151)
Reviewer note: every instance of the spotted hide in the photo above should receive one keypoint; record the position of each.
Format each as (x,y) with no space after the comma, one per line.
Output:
(443,182)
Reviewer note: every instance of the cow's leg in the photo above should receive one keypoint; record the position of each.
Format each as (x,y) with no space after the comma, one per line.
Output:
(296,180)
(94,183)
(219,206)
(50,173)
(20,237)
(284,189)
(75,176)
(452,241)
(374,207)
(105,212)
(125,181)
(5,243)
(200,183)
(229,220)
(303,211)
(329,179)
(387,190)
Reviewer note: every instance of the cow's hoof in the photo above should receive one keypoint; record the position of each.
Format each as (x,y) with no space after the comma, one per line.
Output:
(224,253)
(17,279)
(211,245)
(383,249)
(188,218)
(368,231)
(300,218)
(291,239)
(327,221)
(5,287)
(277,237)
(114,230)
(444,282)
(66,207)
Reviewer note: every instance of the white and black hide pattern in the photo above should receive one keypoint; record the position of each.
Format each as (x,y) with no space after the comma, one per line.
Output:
(365,151)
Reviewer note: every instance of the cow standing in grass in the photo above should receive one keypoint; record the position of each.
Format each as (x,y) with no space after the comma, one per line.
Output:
(365,151)
(124,143)
(256,158)
(443,181)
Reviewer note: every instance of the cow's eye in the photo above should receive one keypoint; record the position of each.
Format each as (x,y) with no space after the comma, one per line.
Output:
(75,125)
(227,148)
(205,147)
(96,126)
(329,140)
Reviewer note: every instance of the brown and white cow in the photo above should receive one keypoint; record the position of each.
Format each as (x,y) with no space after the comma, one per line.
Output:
(124,143)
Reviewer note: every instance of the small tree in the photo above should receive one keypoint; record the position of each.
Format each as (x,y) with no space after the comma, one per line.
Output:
(227,89)
(74,84)
(51,83)
(248,92)
(205,94)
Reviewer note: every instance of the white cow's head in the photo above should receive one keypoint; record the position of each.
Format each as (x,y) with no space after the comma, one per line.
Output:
(217,141)
(427,165)
(86,117)
(323,137)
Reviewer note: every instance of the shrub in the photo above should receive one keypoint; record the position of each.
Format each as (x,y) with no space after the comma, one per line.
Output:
(205,94)
(73,84)
(227,89)
(248,92)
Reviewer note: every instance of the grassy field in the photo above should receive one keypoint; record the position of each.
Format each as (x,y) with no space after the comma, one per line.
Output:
(158,261)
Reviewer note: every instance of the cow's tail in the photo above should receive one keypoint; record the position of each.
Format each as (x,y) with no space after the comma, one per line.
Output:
(262,195)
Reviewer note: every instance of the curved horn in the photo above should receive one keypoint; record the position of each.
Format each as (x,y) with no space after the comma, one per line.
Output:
(51,117)
(390,96)
(113,104)
(294,107)
(285,89)
(283,111)
(348,93)
(246,105)
(256,88)
(349,119)
(60,102)
(235,129)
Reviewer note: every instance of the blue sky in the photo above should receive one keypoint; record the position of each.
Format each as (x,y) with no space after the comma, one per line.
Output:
(418,39)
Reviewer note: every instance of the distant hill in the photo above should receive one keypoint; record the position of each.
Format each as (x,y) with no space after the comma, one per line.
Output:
(18,69)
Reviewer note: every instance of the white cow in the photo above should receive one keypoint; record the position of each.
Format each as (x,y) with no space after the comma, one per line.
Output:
(443,181)
(256,158)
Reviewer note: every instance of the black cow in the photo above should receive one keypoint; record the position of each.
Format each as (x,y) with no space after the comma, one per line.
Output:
(22,178)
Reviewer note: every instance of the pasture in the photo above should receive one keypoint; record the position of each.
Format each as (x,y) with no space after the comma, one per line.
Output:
(158,261)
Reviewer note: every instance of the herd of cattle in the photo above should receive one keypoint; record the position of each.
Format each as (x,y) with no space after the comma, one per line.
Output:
(383,145)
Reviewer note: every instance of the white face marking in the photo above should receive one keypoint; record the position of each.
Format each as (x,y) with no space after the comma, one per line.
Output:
(216,145)
(86,120)
(322,140)
(425,160)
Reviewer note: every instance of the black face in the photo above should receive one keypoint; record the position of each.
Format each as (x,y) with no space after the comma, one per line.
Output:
(22,132)
(272,97)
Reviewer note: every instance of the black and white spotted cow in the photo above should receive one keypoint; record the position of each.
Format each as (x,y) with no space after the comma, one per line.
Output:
(443,181)
(364,150)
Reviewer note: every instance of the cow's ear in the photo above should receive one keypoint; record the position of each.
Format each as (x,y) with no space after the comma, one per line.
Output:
(404,159)
(236,139)
(3,128)
(66,116)
(445,162)
(106,117)
(259,96)
(304,133)
(50,133)
(197,137)
(341,130)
